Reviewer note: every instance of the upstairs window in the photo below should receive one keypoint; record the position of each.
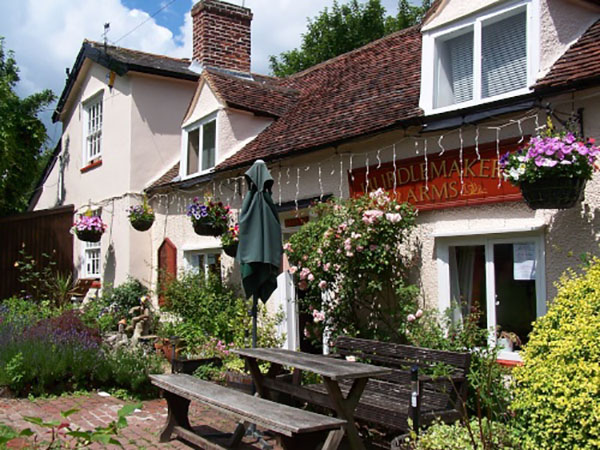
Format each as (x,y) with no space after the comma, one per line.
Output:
(201,146)
(93,129)
(481,58)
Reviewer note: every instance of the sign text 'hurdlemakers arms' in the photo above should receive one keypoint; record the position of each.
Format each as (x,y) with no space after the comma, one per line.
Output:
(438,183)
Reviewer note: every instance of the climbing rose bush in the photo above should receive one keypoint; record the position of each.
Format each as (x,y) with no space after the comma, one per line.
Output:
(351,265)
(557,397)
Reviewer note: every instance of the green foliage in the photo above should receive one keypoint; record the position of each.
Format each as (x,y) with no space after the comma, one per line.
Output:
(22,135)
(42,281)
(206,308)
(125,296)
(62,434)
(357,252)
(489,394)
(344,28)
(474,435)
(557,397)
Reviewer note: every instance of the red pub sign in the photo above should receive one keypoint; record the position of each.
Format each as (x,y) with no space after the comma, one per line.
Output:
(438,183)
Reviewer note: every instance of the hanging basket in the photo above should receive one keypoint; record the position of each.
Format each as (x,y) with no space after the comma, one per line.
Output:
(205,229)
(89,235)
(142,224)
(553,193)
(231,250)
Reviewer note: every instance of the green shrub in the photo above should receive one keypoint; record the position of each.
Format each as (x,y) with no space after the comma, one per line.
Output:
(475,435)
(207,308)
(557,398)
(125,296)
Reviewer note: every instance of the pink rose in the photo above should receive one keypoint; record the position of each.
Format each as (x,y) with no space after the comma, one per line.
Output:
(293,269)
(288,247)
(372,247)
(305,258)
(322,284)
(419,313)
(359,248)
(326,267)
(411,318)
(310,277)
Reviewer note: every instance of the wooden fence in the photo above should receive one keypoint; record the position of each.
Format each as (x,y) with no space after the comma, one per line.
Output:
(38,232)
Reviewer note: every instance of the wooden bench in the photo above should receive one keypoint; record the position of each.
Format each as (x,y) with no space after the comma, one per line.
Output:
(386,400)
(294,428)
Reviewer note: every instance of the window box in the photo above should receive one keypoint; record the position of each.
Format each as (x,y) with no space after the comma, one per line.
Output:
(91,166)
(480,59)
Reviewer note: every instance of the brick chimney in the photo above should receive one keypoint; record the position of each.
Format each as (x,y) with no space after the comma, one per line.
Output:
(222,35)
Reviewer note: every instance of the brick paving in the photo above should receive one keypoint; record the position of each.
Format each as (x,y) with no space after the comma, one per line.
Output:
(95,410)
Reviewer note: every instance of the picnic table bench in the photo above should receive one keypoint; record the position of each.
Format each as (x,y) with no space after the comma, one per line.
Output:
(387,399)
(294,428)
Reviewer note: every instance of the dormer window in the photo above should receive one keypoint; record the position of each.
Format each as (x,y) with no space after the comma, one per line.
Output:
(480,58)
(201,145)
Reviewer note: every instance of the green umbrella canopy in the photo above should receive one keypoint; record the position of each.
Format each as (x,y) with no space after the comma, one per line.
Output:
(260,249)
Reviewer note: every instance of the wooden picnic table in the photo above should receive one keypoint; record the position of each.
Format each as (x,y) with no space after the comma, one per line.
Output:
(332,370)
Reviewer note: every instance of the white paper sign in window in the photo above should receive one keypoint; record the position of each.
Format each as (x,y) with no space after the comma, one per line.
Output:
(524,261)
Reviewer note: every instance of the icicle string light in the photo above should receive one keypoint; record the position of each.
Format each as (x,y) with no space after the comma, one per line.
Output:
(367,175)
(498,154)
(341,176)
(440,145)
(460,157)
(477,143)
(520,131)
(297,187)
(426,166)
(378,158)
(351,174)
(279,183)
(320,184)
(394,164)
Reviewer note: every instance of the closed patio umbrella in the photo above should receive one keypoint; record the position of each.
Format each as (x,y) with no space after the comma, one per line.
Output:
(260,248)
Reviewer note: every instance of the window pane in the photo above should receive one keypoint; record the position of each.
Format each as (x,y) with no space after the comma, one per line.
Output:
(454,70)
(515,297)
(193,149)
(504,55)
(208,144)
(467,282)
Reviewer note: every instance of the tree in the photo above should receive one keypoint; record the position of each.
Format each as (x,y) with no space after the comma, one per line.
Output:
(22,136)
(344,28)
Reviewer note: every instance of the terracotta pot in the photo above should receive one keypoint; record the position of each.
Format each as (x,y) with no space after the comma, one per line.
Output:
(89,235)
(142,224)
(553,193)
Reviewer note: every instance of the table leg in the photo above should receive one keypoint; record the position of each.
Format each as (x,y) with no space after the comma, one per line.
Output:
(257,377)
(345,407)
(178,408)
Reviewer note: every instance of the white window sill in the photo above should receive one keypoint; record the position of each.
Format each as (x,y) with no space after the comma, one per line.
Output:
(458,106)
(197,174)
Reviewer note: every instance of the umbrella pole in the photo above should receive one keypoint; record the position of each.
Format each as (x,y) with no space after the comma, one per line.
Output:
(254,321)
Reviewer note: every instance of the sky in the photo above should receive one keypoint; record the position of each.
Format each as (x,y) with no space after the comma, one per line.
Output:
(46,35)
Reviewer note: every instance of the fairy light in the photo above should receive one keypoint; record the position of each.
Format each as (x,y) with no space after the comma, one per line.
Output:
(477,143)
(341,175)
(460,157)
(320,184)
(378,158)
(426,166)
(520,131)
(441,146)
(394,165)
(279,183)
(351,174)
(297,187)
(498,154)
(417,146)
(287,172)
(367,175)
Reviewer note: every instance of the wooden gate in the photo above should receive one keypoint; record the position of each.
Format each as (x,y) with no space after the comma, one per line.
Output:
(38,232)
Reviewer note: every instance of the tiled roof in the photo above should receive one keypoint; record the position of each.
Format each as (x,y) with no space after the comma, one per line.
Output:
(137,60)
(121,60)
(260,95)
(365,90)
(581,62)
(166,178)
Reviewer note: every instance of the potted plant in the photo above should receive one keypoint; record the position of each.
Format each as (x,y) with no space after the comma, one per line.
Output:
(209,219)
(508,340)
(230,240)
(552,169)
(141,216)
(88,227)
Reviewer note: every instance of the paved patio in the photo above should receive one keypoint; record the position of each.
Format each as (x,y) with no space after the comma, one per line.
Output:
(96,410)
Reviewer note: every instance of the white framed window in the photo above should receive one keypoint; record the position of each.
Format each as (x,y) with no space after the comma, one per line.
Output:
(205,261)
(91,260)
(501,276)
(92,123)
(481,58)
(200,146)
